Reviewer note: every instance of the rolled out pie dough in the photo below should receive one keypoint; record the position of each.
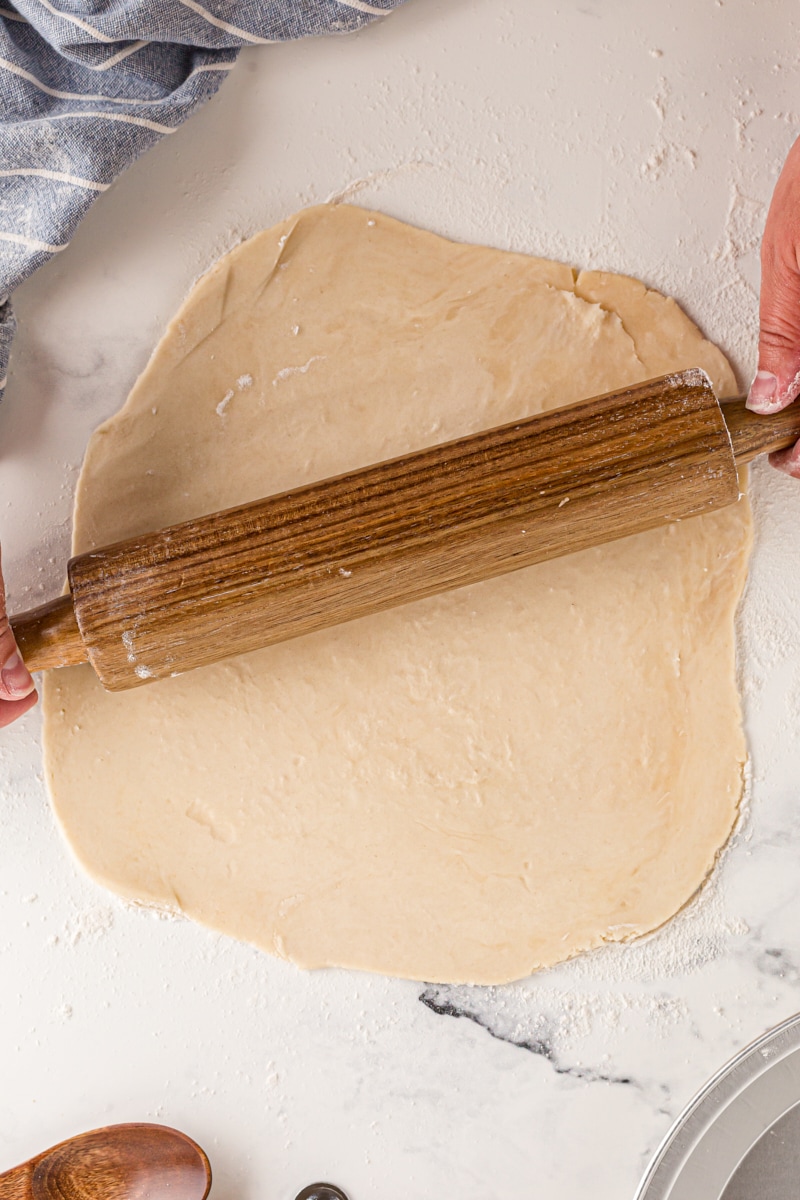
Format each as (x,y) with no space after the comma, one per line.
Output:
(463,789)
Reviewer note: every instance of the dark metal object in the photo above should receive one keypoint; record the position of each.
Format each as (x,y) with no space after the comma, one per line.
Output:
(321,1191)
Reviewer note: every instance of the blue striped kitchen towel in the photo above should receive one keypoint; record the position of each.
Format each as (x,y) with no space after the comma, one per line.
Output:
(86,86)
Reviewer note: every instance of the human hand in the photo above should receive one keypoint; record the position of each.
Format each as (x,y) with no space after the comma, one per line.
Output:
(777,381)
(17,689)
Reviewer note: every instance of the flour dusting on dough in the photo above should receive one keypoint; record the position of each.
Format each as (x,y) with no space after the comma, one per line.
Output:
(287,372)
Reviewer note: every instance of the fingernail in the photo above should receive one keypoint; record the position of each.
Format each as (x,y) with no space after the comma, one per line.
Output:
(763,395)
(16,677)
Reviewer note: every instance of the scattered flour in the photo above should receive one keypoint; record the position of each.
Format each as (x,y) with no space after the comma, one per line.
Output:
(379,178)
(159,911)
(223,404)
(287,372)
(127,641)
(741,234)
(667,153)
(88,925)
(242,383)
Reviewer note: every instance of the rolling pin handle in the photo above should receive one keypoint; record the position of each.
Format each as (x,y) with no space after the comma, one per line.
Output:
(753,434)
(48,636)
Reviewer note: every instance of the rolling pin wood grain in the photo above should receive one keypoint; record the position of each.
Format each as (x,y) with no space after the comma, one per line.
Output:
(183,597)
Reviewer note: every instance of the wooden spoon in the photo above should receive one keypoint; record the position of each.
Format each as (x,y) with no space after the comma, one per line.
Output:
(119,1162)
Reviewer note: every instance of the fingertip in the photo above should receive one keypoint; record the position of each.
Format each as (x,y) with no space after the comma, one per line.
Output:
(769,393)
(763,393)
(16,681)
(12,710)
(787,461)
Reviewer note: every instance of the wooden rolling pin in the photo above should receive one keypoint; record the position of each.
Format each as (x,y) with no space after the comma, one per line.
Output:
(189,595)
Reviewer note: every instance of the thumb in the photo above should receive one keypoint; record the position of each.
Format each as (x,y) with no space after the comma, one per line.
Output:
(777,381)
(16,682)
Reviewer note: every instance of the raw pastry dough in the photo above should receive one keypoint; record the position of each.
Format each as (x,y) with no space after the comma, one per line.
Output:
(464,789)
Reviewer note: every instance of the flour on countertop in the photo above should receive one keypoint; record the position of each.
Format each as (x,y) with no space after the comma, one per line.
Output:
(89,924)
(349,190)
(667,153)
(159,911)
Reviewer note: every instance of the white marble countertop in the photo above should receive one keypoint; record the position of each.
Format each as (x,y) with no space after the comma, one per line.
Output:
(610,133)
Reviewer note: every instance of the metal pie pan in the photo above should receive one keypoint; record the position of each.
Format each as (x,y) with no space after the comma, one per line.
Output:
(703,1157)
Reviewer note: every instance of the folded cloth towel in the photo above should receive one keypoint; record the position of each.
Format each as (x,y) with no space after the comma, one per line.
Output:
(86,86)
